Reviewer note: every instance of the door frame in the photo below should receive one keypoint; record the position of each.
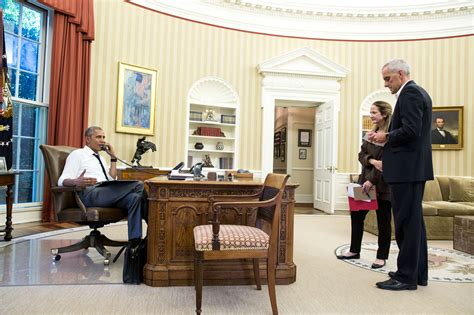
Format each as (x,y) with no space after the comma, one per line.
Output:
(300,75)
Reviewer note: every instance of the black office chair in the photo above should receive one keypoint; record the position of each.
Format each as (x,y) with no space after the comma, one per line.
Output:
(68,207)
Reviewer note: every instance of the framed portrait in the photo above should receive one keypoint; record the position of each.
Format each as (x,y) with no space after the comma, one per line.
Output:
(447,128)
(136,100)
(3,164)
(304,137)
(302,155)
(283,135)
(282,152)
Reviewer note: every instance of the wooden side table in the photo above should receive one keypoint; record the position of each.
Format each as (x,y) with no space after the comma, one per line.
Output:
(8,179)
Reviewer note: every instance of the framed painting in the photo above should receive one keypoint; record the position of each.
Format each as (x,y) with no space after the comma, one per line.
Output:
(302,154)
(304,137)
(136,100)
(447,128)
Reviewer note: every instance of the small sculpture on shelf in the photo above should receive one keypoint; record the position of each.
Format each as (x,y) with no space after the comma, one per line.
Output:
(210,115)
(207,161)
(142,147)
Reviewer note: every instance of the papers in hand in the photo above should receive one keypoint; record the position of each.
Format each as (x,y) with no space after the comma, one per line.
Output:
(366,138)
(355,191)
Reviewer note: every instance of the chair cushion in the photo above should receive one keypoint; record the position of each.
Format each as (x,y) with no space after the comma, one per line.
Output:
(429,209)
(231,237)
(461,189)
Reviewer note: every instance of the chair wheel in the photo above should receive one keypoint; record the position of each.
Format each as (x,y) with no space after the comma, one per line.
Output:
(106,262)
(56,257)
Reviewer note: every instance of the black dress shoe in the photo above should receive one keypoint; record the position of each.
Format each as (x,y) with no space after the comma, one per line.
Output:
(395,285)
(423,283)
(356,256)
(377,266)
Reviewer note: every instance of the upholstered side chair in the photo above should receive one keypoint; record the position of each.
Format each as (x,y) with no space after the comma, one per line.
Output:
(218,242)
(68,207)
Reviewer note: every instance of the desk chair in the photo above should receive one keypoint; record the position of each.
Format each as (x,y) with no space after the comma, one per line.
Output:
(68,207)
(217,242)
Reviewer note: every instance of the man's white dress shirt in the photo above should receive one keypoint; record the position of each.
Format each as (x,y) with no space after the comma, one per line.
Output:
(84,159)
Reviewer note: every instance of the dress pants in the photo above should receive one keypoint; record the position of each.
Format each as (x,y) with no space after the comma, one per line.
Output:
(384,218)
(410,233)
(127,195)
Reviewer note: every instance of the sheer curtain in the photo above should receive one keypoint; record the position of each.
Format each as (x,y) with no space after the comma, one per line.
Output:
(70,70)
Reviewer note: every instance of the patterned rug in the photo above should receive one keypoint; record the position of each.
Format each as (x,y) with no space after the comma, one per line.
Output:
(447,265)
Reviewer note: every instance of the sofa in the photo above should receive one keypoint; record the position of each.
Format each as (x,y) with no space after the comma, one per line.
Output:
(444,198)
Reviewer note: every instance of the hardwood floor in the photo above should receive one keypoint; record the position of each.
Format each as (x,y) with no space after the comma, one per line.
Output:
(25,229)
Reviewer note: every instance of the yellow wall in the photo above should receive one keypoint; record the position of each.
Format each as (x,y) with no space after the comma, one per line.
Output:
(184,52)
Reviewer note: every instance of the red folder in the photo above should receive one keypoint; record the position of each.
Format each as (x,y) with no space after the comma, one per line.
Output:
(356,205)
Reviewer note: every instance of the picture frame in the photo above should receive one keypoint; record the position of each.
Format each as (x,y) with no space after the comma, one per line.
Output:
(304,137)
(136,100)
(447,128)
(282,152)
(277,138)
(302,154)
(3,164)
(283,135)
(276,151)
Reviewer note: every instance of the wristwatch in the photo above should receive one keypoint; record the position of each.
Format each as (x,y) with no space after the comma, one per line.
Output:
(113,160)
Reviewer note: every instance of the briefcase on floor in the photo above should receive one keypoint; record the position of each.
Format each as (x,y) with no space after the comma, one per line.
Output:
(134,261)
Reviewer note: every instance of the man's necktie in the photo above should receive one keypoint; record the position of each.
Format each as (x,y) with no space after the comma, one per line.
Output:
(101,165)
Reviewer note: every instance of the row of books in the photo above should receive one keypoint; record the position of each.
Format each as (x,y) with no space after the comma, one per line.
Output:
(226,163)
(209,131)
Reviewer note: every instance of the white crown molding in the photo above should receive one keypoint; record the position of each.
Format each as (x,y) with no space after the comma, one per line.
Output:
(446,19)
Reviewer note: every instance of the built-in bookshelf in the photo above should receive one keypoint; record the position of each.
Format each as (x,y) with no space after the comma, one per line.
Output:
(212,124)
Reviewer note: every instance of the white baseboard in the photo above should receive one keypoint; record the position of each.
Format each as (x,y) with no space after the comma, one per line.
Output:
(302,198)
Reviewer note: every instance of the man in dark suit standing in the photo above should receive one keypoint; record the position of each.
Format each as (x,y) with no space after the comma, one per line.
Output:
(439,135)
(407,165)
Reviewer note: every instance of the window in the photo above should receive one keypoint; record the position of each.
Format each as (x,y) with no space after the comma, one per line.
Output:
(25,40)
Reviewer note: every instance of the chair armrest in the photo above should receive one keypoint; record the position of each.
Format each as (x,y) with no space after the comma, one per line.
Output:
(75,190)
(61,189)
(215,198)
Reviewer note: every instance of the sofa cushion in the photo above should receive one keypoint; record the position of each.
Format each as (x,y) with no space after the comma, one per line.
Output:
(449,209)
(429,209)
(432,191)
(444,186)
(461,189)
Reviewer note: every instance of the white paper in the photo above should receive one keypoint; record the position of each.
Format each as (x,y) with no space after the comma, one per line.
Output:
(367,139)
(350,189)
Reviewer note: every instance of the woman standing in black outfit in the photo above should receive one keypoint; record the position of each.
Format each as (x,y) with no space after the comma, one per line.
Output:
(370,156)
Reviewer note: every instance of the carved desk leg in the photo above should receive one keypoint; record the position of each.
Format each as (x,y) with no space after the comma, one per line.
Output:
(8,223)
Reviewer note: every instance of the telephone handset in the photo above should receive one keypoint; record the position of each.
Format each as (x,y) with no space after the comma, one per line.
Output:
(104,147)
(178,167)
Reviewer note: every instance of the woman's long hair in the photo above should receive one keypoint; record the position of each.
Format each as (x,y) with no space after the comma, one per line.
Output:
(384,109)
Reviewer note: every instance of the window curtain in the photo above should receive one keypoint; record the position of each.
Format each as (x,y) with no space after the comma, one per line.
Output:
(73,34)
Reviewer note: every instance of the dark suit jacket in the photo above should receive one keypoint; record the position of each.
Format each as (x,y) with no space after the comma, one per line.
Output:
(437,138)
(407,154)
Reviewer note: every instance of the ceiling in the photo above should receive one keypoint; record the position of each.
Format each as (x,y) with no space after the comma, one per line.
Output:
(379,20)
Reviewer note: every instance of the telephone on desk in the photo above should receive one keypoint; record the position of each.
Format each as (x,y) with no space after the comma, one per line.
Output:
(176,173)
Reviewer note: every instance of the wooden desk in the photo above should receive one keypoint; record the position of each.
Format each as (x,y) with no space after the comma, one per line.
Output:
(176,207)
(139,174)
(8,179)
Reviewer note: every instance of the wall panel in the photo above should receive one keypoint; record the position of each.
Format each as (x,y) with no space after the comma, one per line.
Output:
(184,52)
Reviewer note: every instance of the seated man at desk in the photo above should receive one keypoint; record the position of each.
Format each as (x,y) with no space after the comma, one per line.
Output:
(86,168)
